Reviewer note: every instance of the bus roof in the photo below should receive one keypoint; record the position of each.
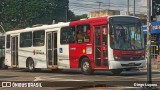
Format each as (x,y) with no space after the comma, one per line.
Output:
(90,20)
(97,20)
(43,27)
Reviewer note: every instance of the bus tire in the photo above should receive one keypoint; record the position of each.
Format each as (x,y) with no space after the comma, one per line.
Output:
(116,71)
(31,66)
(3,66)
(1,63)
(86,67)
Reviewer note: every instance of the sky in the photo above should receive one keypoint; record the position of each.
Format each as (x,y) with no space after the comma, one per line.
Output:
(80,7)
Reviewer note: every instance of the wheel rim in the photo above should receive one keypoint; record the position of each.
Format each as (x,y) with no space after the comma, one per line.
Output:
(85,66)
(31,66)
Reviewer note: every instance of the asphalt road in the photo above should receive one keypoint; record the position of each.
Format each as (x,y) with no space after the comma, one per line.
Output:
(74,79)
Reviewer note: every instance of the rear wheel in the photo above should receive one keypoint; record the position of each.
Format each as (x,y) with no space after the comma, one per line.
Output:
(86,67)
(116,71)
(31,66)
(2,64)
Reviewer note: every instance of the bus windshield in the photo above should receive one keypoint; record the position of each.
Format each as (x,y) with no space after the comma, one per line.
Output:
(2,42)
(126,33)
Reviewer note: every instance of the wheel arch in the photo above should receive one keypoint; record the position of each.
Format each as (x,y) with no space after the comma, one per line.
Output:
(80,60)
(27,60)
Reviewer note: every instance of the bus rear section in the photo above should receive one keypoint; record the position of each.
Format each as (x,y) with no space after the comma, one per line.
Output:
(34,48)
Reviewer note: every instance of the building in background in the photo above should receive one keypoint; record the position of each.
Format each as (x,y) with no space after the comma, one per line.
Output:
(142,17)
(155,10)
(104,13)
(155,37)
(115,12)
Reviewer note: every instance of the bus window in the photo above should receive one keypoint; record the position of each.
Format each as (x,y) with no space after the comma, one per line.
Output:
(127,35)
(97,35)
(38,38)
(2,42)
(8,41)
(26,39)
(67,35)
(104,35)
(83,33)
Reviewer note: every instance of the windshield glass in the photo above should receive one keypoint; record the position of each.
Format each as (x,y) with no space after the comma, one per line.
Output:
(126,34)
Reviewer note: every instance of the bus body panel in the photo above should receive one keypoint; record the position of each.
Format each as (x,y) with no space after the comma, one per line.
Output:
(118,64)
(38,54)
(63,57)
(23,54)
(63,52)
(7,57)
(77,51)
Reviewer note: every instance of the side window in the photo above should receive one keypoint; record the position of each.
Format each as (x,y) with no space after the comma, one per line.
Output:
(26,39)
(38,38)
(83,33)
(8,41)
(104,35)
(2,42)
(67,35)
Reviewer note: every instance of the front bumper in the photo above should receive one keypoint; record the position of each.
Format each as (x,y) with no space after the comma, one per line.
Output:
(126,64)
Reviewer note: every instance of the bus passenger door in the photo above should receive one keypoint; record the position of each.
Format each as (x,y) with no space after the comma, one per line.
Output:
(51,47)
(101,46)
(14,51)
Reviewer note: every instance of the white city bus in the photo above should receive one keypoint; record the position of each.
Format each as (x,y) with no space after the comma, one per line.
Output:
(89,44)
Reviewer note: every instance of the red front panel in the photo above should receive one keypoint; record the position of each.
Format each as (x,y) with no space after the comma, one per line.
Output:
(128,53)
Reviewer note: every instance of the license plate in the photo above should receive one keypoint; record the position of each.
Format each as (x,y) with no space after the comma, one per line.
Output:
(131,64)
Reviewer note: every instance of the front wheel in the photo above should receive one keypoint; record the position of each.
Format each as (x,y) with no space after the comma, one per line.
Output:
(86,67)
(116,71)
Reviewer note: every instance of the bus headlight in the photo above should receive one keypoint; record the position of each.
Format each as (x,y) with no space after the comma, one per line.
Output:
(117,57)
(142,57)
(89,50)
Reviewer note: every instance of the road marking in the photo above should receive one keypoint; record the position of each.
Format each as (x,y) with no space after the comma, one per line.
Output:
(55,79)
(37,79)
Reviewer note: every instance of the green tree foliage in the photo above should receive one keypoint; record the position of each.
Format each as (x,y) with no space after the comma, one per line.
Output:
(25,13)
(78,17)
